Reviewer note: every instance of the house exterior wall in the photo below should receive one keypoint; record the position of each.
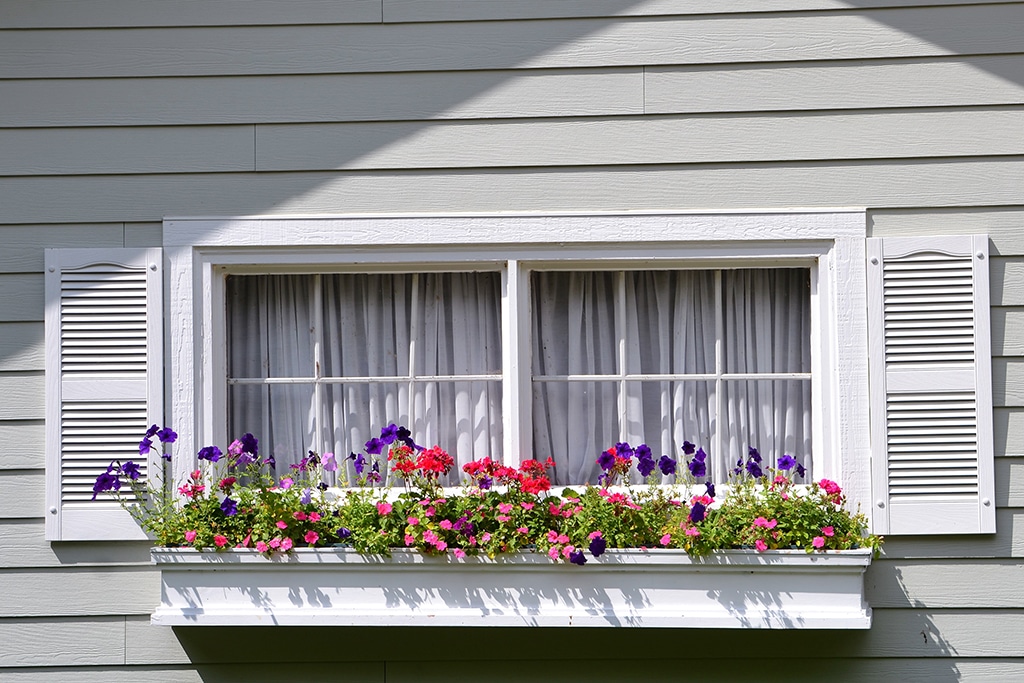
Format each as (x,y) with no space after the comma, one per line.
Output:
(115,114)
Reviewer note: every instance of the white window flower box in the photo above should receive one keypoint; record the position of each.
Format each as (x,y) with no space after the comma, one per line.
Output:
(781,589)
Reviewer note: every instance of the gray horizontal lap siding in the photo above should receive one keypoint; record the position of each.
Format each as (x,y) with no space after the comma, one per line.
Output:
(114,114)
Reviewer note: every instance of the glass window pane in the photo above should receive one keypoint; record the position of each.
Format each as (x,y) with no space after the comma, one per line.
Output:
(665,414)
(574,323)
(572,423)
(670,322)
(772,416)
(279,415)
(767,314)
(270,326)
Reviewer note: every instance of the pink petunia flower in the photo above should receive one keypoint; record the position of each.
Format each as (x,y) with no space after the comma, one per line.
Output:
(384,508)
(313,516)
(760,545)
(818,542)
(413,521)
(553,552)
(526,506)
(441,545)
(459,553)
(666,539)
(523,530)
(693,531)
(261,547)
(281,524)
(502,518)
(311,537)
(446,524)
(505,508)
(286,544)
(828,531)
(299,515)
(220,541)
(286,482)
(190,536)
(410,540)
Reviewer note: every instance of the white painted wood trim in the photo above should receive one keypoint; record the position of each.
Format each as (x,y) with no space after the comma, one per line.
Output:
(830,241)
(654,588)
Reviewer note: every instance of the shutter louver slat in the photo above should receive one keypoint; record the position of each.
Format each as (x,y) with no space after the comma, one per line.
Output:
(104,372)
(931,397)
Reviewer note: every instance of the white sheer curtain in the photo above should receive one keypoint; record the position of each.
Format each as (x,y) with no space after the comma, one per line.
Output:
(659,357)
(629,326)
(393,347)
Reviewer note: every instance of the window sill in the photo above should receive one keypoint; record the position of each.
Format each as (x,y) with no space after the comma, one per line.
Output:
(654,588)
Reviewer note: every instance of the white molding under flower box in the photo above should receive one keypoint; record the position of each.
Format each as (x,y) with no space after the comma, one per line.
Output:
(781,589)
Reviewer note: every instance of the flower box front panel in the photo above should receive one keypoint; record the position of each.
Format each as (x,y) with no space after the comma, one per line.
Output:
(652,588)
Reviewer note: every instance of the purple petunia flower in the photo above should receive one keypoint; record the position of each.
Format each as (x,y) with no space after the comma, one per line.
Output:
(598,545)
(229,507)
(606,460)
(153,429)
(211,453)
(739,467)
(307,496)
(700,455)
(249,444)
(645,466)
(698,512)
(106,482)
(754,469)
(709,489)
(389,434)
(166,456)
(577,557)
(243,460)
(271,462)
(167,435)
(344,533)
(800,469)
(754,455)
(130,470)
(485,483)
(786,462)
(145,446)
(330,463)
(374,475)
(359,462)
(697,468)
(623,450)
(688,448)
(643,452)
(667,465)
(374,446)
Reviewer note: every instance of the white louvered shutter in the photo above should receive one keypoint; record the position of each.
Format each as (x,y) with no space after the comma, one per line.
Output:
(931,385)
(104,376)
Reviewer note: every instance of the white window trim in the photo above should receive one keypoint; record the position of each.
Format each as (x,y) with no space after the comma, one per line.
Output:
(831,241)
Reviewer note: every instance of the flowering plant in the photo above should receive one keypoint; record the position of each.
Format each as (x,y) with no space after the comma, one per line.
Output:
(239,500)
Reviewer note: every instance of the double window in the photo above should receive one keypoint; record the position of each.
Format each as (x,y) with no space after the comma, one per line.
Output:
(596,354)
